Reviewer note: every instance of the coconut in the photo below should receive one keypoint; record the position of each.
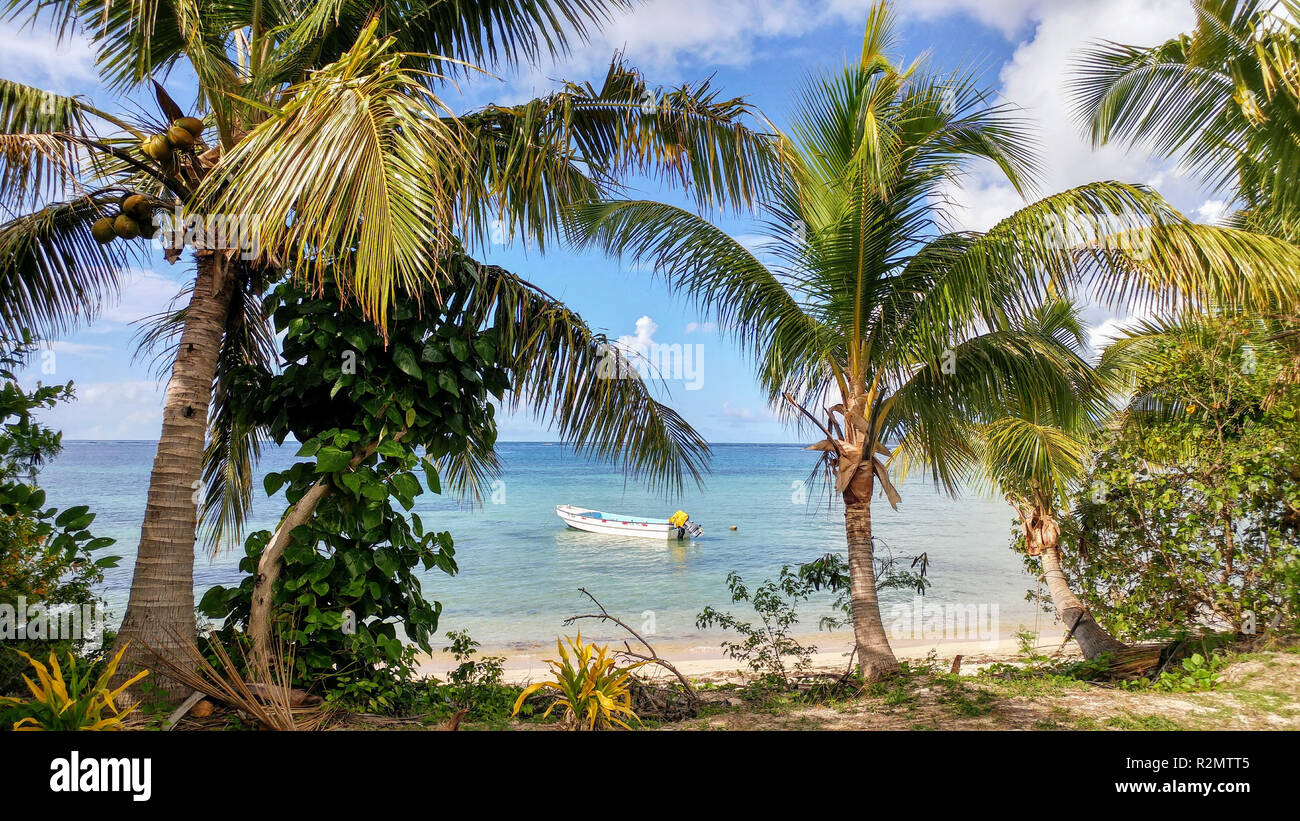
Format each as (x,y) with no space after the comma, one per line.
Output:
(102,230)
(148,230)
(157,147)
(137,206)
(125,227)
(191,124)
(180,137)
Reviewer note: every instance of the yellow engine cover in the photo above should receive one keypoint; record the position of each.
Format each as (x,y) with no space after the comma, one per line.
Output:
(678,519)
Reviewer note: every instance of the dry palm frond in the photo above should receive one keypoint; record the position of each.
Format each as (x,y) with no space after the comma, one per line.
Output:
(33,165)
(1137,661)
(54,273)
(274,704)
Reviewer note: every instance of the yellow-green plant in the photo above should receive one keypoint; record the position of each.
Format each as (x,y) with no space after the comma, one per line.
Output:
(74,701)
(592,689)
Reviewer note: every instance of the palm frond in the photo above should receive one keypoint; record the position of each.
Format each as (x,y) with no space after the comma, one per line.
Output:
(1032,370)
(563,375)
(470,473)
(53,273)
(1186,264)
(26,109)
(720,274)
(483,33)
(535,160)
(1024,459)
(361,158)
(1222,99)
(35,166)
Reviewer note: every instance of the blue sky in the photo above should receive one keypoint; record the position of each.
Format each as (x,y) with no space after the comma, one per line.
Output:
(759,49)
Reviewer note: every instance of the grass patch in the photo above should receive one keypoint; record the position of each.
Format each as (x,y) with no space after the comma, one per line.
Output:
(962,700)
(1128,721)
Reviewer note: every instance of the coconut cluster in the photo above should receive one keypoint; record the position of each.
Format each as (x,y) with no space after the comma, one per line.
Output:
(180,137)
(135,216)
(134,219)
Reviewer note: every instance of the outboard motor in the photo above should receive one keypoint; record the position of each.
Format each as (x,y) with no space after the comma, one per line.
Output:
(681,521)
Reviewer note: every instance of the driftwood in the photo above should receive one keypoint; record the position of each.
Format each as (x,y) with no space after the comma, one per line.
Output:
(653,657)
(186,706)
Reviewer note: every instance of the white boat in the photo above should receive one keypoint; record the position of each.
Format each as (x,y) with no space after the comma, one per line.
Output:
(616,524)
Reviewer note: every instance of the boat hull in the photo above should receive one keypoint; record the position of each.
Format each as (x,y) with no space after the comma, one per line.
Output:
(613,524)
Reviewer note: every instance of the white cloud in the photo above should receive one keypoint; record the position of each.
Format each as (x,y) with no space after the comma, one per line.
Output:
(144,293)
(1036,79)
(110,410)
(1112,327)
(1212,212)
(979,205)
(725,32)
(1007,16)
(756,244)
(77,349)
(672,39)
(32,55)
(644,337)
(700,327)
(738,414)
(1108,331)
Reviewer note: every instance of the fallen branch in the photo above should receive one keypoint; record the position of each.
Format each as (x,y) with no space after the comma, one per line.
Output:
(848,672)
(653,657)
(186,706)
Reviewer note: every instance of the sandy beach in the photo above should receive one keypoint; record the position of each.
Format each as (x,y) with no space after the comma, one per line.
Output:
(704,660)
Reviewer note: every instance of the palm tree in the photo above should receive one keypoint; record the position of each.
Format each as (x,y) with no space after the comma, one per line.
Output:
(1224,100)
(1036,457)
(324,136)
(891,334)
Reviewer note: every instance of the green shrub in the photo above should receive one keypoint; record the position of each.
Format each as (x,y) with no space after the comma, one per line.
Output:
(47,556)
(1190,514)
(373,413)
(768,649)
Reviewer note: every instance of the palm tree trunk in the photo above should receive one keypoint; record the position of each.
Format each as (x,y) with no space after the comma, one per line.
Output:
(160,611)
(874,654)
(1092,638)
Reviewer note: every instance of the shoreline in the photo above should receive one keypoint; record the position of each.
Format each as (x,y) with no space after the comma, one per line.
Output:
(703,658)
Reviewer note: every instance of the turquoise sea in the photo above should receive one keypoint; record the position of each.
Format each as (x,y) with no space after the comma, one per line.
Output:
(520,568)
